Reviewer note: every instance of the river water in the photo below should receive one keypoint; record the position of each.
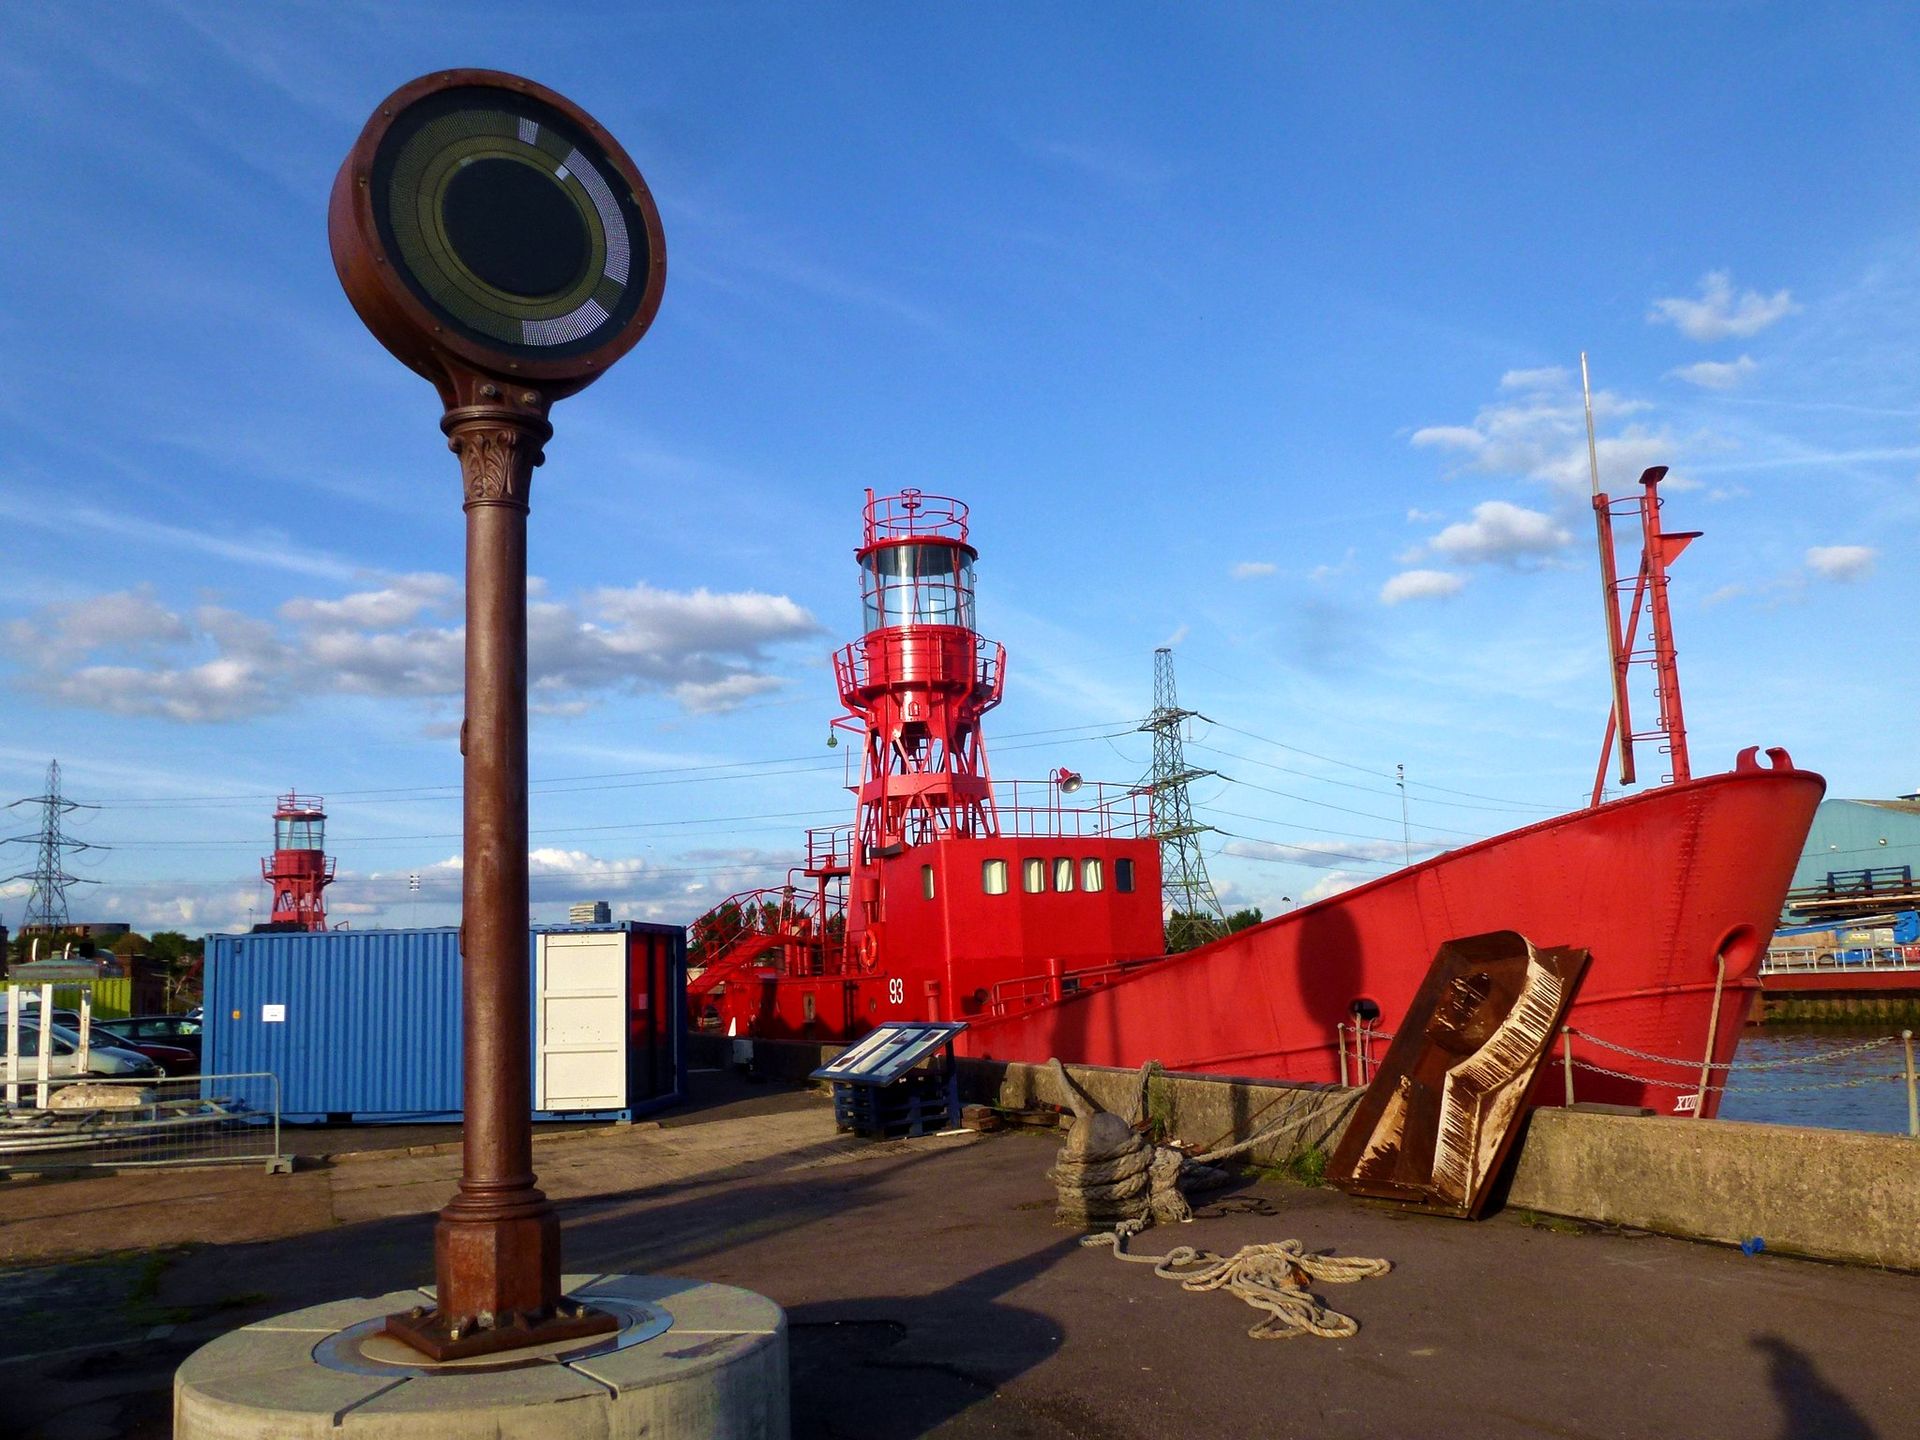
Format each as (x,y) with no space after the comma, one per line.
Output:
(1783,1096)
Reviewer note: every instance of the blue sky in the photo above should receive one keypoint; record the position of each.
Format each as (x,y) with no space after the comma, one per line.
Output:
(1253,330)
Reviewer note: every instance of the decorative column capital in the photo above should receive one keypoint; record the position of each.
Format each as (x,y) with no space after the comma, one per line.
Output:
(498,449)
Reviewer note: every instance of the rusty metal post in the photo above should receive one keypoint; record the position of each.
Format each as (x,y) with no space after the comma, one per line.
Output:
(496,1245)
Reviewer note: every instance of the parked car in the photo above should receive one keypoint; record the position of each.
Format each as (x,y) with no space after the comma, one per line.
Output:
(63,1060)
(174,1059)
(181,1031)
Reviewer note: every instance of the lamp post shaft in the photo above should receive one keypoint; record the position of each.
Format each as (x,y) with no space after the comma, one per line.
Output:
(496,1246)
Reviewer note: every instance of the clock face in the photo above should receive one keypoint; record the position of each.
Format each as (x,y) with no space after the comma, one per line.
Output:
(510,223)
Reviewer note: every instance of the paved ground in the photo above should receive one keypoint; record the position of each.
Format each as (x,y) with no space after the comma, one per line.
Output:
(929,1294)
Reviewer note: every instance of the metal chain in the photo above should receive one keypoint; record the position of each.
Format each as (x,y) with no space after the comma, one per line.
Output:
(1729,1089)
(1728,1065)
(1735,1064)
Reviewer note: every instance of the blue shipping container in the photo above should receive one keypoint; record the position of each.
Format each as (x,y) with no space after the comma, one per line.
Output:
(365,1024)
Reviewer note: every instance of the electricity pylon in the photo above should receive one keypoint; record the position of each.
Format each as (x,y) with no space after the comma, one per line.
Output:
(47,900)
(1194,913)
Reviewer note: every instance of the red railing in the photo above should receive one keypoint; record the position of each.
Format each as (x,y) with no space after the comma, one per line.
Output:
(805,932)
(912,514)
(1027,991)
(1091,811)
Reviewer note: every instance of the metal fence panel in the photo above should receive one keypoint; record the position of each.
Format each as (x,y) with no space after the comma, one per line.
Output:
(91,1122)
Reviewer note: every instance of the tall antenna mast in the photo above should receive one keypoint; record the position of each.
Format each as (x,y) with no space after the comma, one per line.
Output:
(1194,912)
(47,900)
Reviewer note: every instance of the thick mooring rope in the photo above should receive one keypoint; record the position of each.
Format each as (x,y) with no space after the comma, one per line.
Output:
(1272,1277)
(1109,1174)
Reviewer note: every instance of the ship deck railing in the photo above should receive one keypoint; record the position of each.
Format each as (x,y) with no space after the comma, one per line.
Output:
(1024,992)
(1093,811)
(1844,959)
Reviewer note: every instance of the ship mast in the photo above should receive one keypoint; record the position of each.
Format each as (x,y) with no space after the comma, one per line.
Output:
(1658,550)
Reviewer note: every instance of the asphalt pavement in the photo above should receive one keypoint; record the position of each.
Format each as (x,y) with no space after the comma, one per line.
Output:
(929,1293)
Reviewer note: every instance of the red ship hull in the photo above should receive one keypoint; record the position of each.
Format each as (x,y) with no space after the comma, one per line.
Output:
(1655,886)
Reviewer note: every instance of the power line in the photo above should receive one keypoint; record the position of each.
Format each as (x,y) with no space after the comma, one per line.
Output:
(1350,785)
(691,774)
(1378,774)
(1329,805)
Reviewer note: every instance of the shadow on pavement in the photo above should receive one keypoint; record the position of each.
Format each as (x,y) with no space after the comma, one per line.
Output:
(1813,1409)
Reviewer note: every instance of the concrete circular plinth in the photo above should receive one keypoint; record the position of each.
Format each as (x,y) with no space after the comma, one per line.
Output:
(692,1360)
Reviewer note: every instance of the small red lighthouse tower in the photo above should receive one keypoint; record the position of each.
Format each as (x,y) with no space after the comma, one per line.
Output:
(299,868)
(919,680)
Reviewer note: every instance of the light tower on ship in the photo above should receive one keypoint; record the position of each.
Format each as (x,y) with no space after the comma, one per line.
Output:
(299,868)
(917,683)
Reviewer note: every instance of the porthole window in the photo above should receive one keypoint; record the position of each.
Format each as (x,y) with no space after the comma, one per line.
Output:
(993,876)
(1033,875)
(1091,874)
(926,882)
(1063,873)
(1123,876)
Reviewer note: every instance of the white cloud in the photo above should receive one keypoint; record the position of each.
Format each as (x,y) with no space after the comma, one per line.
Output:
(127,620)
(128,655)
(1499,533)
(1421,585)
(1328,854)
(1539,432)
(1252,569)
(1715,374)
(1546,377)
(1842,562)
(1719,313)
(1334,882)
(401,602)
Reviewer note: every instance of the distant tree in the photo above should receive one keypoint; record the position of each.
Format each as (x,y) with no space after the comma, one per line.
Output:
(1190,929)
(171,946)
(131,943)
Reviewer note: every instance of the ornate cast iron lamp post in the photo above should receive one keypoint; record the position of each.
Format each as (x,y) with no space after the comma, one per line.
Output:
(499,242)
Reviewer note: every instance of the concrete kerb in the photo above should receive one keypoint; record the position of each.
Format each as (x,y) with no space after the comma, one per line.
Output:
(1822,1194)
(448,1147)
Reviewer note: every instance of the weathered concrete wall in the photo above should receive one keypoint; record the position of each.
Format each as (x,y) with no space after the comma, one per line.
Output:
(1834,1194)
(1829,1194)
(1205,1111)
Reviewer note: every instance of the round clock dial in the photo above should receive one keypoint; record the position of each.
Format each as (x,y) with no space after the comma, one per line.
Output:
(510,223)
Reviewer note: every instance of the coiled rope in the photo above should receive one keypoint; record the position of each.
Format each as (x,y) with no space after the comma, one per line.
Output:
(1272,1277)
(1109,1174)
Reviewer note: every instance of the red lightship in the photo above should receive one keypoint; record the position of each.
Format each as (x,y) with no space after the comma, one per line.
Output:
(1039,923)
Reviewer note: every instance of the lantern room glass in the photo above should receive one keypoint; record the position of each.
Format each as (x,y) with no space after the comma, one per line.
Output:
(917,585)
(299,832)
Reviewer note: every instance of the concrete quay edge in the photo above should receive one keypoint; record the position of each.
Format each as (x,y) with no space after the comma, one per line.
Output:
(1835,1195)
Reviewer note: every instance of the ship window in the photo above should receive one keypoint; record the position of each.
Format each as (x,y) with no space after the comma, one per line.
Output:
(993,876)
(1033,875)
(1123,876)
(1063,873)
(926,882)
(1090,876)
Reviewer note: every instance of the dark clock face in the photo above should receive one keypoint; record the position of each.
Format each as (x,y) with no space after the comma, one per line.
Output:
(509,223)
